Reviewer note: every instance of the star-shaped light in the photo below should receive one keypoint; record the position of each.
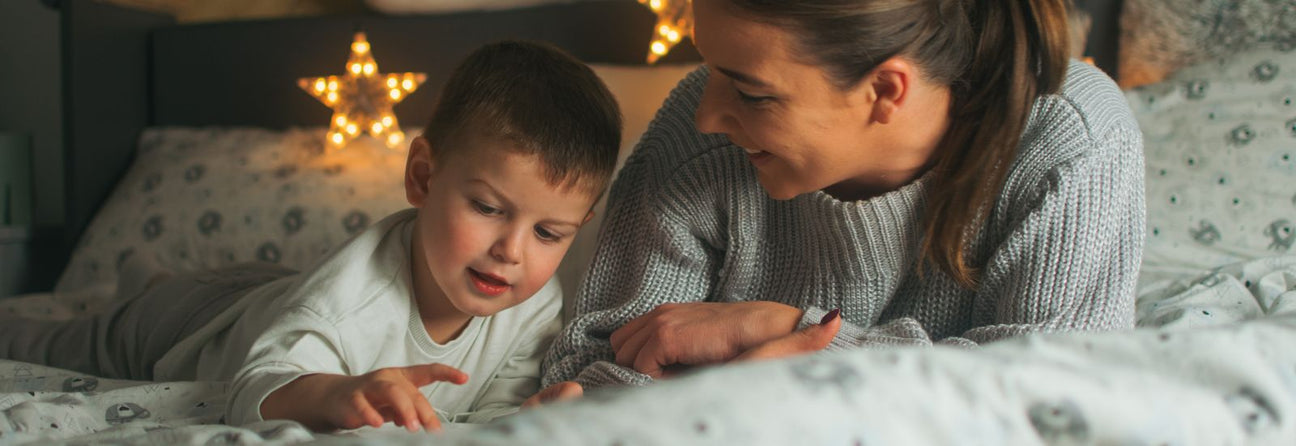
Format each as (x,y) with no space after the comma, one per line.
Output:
(362,99)
(674,22)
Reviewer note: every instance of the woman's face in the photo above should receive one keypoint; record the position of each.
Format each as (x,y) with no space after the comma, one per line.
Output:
(801,132)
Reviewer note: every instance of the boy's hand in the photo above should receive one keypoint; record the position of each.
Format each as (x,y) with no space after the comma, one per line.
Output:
(561,391)
(325,402)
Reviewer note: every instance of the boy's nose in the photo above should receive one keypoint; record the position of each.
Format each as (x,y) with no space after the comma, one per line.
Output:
(508,249)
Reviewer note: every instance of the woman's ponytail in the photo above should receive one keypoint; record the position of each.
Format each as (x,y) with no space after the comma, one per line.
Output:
(1021,53)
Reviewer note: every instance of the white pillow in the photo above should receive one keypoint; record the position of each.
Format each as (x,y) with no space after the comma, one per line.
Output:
(1220,142)
(200,198)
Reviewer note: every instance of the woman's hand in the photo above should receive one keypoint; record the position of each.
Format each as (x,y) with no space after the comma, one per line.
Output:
(699,333)
(806,340)
(326,402)
(561,391)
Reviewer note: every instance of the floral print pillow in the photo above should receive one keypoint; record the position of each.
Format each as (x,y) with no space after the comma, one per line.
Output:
(198,198)
(1220,141)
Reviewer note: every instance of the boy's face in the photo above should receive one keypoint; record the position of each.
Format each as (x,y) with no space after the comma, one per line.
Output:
(490,230)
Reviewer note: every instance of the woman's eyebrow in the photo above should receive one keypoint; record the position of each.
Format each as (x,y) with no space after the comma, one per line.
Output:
(743,77)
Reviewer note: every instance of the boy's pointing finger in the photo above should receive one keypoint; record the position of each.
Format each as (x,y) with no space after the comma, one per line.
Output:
(424,374)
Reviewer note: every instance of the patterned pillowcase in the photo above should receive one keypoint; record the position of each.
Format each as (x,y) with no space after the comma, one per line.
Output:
(1220,142)
(1158,37)
(199,198)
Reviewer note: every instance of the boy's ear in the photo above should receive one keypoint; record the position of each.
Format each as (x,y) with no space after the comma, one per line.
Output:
(419,167)
(588,217)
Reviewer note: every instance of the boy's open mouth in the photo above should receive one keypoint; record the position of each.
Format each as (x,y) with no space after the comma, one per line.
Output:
(489,284)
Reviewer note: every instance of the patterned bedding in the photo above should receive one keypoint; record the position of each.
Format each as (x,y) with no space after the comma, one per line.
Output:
(1212,364)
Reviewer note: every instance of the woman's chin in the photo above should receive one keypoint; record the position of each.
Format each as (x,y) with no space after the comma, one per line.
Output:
(780,191)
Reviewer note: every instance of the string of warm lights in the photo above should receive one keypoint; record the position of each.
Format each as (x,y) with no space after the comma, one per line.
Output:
(362,98)
(674,22)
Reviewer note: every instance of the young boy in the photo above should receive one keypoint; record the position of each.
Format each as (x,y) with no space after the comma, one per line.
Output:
(450,304)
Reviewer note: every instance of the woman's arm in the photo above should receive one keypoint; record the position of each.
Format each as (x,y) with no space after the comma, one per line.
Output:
(645,258)
(658,245)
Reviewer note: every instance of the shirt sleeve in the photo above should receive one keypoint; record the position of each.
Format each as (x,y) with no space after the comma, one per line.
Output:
(519,376)
(1069,263)
(298,343)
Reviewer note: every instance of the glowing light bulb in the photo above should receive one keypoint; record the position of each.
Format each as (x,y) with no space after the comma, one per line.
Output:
(658,48)
(357,98)
(656,5)
(673,36)
(664,30)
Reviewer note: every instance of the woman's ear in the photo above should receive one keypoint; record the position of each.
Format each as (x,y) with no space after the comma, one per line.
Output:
(419,167)
(891,86)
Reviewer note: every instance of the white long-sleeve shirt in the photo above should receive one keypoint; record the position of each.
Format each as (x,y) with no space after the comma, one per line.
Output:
(353,313)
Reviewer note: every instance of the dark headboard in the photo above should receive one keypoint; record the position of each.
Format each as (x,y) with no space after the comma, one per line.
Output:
(125,70)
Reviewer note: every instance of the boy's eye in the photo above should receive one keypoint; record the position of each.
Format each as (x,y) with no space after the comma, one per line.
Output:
(546,235)
(485,209)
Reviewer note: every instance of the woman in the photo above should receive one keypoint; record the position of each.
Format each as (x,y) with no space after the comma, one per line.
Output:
(933,171)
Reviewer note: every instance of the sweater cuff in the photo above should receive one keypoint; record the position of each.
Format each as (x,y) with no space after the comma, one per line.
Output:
(900,332)
(603,374)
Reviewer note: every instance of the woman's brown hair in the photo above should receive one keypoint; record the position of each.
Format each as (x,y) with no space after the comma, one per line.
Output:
(997,57)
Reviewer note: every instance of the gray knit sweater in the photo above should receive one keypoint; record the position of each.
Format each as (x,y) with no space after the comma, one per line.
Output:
(687,222)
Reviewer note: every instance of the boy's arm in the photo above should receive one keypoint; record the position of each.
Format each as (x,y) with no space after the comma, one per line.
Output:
(519,376)
(296,344)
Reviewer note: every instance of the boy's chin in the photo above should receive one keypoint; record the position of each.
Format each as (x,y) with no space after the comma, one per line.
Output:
(474,306)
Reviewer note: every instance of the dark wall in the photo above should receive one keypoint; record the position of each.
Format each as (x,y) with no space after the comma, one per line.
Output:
(30,96)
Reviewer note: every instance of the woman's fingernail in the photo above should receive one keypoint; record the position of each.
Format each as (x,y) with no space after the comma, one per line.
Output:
(830,316)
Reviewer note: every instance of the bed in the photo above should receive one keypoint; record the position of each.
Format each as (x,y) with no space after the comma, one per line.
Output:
(192,144)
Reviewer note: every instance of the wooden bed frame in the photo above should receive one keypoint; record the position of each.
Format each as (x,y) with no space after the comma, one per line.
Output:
(125,70)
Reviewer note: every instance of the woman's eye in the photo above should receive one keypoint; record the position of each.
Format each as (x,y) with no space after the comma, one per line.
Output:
(485,209)
(546,235)
(753,99)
